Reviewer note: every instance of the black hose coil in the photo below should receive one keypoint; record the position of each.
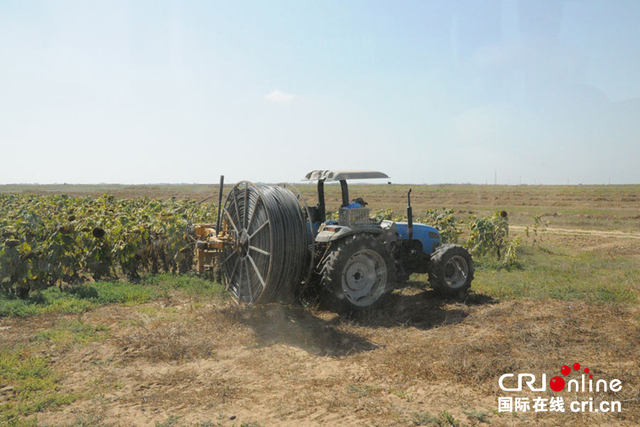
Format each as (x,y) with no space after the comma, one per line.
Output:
(270,254)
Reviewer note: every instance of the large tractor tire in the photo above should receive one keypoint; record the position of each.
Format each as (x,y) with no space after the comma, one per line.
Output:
(451,270)
(358,273)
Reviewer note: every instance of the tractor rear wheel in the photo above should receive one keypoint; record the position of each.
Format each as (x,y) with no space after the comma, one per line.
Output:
(357,273)
(451,270)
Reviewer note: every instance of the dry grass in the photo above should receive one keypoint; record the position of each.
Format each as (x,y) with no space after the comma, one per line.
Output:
(420,360)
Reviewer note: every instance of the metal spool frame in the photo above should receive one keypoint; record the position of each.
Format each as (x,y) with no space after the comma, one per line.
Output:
(272,245)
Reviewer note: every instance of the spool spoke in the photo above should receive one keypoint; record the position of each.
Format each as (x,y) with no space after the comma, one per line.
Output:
(228,258)
(246,206)
(260,251)
(259,228)
(235,203)
(233,224)
(240,283)
(253,214)
(255,268)
(249,282)
(233,272)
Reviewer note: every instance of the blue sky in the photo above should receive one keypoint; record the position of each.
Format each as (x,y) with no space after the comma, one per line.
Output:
(427,91)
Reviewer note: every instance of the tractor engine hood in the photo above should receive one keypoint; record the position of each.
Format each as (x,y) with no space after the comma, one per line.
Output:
(424,233)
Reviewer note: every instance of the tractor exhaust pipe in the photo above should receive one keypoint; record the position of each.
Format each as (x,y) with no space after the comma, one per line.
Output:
(409,216)
(219,204)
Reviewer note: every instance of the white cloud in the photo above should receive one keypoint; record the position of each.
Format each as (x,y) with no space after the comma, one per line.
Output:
(278,97)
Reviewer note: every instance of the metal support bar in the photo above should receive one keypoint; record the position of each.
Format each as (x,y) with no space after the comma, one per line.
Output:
(345,192)
(219,203)
(321,206)
(409,216)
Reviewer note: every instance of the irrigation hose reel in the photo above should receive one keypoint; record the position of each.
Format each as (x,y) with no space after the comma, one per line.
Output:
(265,246)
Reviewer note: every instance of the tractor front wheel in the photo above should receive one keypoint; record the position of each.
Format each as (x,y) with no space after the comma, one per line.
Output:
(358,273)
(451,270)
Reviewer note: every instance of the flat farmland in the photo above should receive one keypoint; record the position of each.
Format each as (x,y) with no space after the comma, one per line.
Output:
(185,354)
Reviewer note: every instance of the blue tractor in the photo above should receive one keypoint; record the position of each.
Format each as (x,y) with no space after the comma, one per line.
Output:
(363,259)
(268,243)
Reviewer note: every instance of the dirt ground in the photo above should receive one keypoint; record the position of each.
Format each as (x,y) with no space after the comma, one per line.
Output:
(420,360)
(286,365)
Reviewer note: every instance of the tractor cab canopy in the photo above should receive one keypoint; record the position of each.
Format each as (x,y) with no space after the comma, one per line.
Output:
(327,175)
(321,176)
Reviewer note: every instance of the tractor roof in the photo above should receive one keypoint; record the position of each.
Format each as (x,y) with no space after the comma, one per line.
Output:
(328,175)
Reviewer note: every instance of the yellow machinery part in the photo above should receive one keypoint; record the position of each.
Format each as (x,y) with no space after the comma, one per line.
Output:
(209,246)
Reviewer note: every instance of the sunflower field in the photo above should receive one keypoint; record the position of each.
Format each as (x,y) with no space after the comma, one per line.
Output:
(60,240)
